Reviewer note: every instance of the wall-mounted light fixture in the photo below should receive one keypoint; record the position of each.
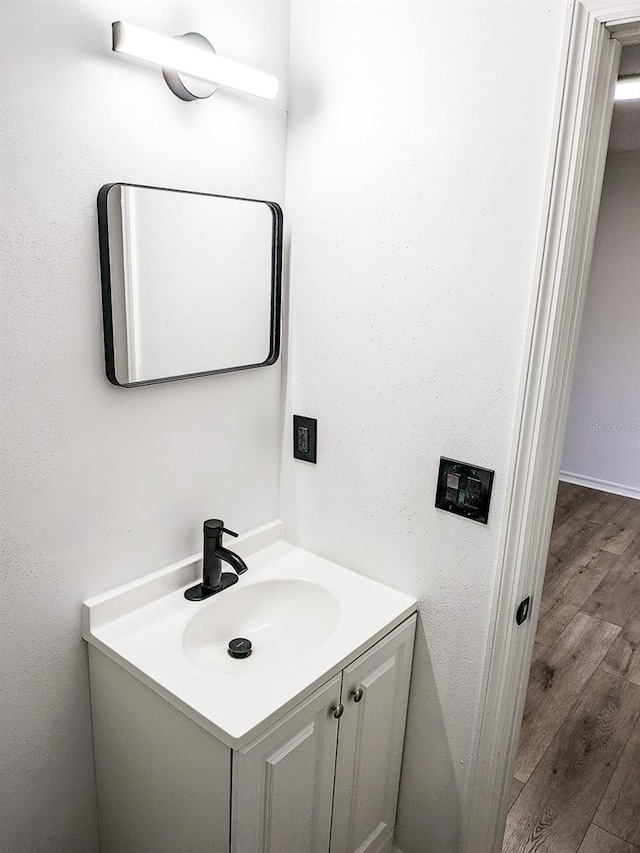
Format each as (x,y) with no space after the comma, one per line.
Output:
(628,88)
(190,65)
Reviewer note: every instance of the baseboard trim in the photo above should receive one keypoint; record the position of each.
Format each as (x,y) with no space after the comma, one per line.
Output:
(600,485)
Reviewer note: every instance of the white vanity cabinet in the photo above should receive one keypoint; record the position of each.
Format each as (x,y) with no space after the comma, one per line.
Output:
(294,749)
(325,778)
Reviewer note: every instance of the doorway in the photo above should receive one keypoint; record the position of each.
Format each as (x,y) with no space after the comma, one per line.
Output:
(576,784)
(599,29)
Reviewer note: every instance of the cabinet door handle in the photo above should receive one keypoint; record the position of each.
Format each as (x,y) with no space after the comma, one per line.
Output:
(357,694)
(338,710)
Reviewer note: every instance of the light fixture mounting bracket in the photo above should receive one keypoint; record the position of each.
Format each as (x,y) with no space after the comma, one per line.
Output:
(186,87)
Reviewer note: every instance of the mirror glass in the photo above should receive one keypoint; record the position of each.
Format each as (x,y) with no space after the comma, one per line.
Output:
(190,283)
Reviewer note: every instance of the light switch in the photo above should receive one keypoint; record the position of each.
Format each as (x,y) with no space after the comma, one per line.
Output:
(472,492)
(453,485)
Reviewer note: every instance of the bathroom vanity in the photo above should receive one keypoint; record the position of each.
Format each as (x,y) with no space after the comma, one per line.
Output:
(294,749)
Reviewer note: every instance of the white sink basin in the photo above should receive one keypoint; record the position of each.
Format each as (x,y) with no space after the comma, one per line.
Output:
(306,618)
(284,619)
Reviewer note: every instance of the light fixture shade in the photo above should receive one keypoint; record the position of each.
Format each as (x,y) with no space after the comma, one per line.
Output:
(628,89)
(182,56)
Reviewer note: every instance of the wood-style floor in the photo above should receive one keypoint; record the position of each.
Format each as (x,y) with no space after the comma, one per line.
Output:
(577,780)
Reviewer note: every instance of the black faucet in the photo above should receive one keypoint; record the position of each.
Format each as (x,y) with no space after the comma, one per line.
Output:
(213,579)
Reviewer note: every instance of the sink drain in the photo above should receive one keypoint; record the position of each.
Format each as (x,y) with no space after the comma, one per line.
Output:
(239,648)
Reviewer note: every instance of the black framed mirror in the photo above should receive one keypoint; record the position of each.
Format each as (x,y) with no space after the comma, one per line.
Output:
(191,283)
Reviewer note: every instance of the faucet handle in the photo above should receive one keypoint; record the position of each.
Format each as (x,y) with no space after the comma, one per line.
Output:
(230,532)
(215,527)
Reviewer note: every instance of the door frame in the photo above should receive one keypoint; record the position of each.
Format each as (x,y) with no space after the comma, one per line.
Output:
(597,30)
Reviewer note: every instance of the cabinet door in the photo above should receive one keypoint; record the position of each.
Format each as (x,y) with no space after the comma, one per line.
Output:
(370,745)
(283,781)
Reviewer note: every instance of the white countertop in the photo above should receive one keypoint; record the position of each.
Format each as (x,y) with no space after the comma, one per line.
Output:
(141,626)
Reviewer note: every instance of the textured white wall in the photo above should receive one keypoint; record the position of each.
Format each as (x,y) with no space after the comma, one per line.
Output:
(602,443)
(420,135)
(105,484)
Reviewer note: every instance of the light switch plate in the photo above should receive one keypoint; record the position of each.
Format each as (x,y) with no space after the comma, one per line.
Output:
(464,489)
